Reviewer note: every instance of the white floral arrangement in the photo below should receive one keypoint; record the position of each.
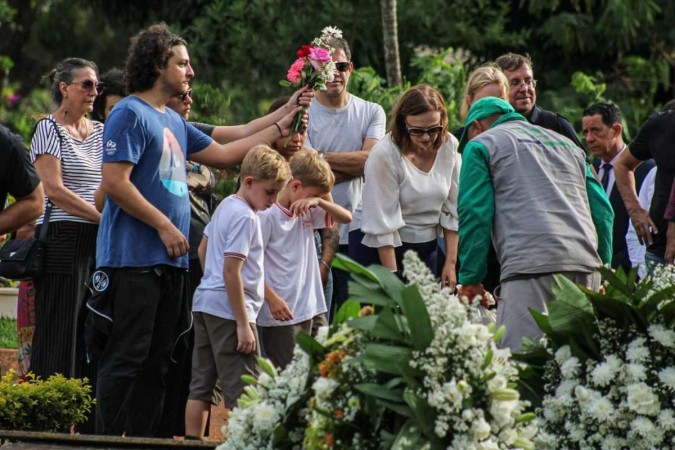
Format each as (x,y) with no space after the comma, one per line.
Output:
(467,380)
(612,387)
(411,372)
(264,405)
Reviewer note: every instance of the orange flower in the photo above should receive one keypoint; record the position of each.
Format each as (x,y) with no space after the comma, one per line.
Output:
(329,439)
(339,414)
(366,311)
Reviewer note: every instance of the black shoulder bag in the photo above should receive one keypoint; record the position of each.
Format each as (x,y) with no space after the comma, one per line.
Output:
(21,259)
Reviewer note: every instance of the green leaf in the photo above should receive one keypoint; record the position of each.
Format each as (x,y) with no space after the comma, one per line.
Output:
(424,415)
(368,296)
(366,323)
(343,262)
(616,282)
(349,310)
(419,322)
(542,321)
(408,437)
(623,313)
(388,327)
(310,346)
(567,291)
(389,282)
(567,318)
(380,392)
(285,83)
(390,359)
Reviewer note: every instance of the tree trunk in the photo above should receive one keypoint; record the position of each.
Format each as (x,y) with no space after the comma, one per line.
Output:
(392,60)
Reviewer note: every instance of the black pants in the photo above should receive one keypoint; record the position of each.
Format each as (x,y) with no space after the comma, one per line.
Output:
(340,284)
(150,308)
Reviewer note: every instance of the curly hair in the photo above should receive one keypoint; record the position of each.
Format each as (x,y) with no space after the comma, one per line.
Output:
(514,61)
(65,72)
(149,52)
(418,99)
(113,84)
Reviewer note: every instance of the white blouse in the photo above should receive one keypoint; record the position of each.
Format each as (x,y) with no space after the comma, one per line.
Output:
(402,203)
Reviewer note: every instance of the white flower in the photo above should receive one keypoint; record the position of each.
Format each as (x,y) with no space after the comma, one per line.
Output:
(563,354)
(662,335)
(570,368)
(601,409)
(642,426)
(635,372)
(324,386)
(642,399)
(637,352)
(481,429)
(265,417)
(667,377)
(265,380)
(605,372)
(582,393)
(329,32)
(497,382)
(666,419)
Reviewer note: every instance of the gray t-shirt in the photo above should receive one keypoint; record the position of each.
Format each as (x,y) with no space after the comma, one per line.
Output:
(344,130)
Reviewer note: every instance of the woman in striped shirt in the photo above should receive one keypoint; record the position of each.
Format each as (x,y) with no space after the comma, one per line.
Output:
(66,149)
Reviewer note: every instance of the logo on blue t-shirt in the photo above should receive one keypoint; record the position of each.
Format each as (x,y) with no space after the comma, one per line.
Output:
(172,165)
(110,147)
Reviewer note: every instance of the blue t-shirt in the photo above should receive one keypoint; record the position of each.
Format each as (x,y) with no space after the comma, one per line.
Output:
(156,143)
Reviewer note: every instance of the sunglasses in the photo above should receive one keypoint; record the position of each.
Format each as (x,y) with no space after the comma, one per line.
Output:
(342,66)
(185,95)
(89,85)
(433,131)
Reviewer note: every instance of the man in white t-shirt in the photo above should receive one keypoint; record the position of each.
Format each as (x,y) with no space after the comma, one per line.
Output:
(343,128)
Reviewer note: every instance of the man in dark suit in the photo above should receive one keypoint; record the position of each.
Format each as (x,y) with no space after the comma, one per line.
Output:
(602,130)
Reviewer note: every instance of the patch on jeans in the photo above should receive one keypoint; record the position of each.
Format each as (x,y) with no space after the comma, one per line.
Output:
(100,281)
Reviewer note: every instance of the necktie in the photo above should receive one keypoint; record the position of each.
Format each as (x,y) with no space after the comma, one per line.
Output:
(606,168)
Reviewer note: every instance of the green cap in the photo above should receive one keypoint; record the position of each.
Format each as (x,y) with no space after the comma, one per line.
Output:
(482,108)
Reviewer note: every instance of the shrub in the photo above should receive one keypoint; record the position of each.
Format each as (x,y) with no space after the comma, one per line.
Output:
(54,405)
(8,336)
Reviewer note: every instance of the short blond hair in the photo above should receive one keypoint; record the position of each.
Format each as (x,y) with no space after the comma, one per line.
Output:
(483,76)
(312,170)
(264,163)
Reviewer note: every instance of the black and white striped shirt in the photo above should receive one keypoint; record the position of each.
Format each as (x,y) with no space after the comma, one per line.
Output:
(80,161)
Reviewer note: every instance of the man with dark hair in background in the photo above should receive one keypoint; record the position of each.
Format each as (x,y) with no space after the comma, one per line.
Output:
(602,130)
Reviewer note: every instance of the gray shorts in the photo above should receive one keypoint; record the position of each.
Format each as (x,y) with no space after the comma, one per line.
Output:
(279,342)
(215,357)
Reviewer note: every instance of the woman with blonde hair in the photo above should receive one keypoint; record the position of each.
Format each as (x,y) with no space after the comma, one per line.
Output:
(410,190)
(486,81)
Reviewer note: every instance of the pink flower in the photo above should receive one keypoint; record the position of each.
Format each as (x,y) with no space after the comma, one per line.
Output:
(318,56)
(294,73)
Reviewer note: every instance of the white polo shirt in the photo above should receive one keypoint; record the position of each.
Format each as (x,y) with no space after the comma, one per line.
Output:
(234,232)
(291,262)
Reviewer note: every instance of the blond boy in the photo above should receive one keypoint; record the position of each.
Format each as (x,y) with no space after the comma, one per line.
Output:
(294,298)
(231,293)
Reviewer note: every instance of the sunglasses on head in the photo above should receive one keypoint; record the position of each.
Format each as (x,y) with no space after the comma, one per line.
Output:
(433,131)
(88,85)
(185,95)
(342,66)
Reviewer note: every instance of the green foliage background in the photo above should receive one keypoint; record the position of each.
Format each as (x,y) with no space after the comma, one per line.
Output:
(584,51)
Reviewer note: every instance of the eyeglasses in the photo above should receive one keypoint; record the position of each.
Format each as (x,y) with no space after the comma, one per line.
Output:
(433,131)
(88,85)
(516,83)
(185,95)
(342,66)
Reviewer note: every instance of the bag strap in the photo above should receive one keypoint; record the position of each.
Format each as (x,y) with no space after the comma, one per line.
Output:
(48,210)
(45,222)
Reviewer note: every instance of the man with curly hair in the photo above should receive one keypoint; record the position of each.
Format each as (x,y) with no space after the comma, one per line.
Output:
(142,240)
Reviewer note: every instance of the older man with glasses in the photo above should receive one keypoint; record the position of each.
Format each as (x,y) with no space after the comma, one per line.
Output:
(523,96)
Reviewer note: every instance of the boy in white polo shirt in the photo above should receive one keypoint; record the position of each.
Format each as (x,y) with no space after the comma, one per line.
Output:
(229,297)
(294,298)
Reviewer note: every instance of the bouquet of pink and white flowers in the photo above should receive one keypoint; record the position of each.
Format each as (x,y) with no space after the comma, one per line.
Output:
(313,67)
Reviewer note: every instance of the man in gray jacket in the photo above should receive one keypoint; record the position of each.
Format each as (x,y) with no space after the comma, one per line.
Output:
(531,191)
